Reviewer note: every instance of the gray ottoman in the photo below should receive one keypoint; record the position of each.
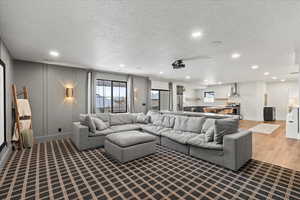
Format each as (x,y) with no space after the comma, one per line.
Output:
(129,145)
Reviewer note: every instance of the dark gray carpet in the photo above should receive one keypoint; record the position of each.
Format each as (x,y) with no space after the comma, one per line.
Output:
(56,170)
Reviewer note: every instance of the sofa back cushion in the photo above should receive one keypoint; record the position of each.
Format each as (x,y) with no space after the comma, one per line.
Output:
(100,125)
(168,121)
(153,115)
(84,120)
(209,134)
(91,124)
(103,116)
(122,118)
(225,127)
(142,118)
(189,124)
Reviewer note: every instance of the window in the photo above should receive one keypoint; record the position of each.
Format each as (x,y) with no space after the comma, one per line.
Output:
(209,97)
(154,99)
(111,96)
(160,99)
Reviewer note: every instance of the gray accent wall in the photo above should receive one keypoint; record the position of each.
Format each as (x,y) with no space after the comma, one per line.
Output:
(46,84)
(7,59)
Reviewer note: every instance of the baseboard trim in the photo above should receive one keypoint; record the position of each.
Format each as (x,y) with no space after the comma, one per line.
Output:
(52,137)
(5,156)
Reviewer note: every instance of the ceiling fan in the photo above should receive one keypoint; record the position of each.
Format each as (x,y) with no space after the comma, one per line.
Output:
(179,64)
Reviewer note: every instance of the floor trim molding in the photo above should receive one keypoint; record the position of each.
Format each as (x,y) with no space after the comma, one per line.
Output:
(52,137)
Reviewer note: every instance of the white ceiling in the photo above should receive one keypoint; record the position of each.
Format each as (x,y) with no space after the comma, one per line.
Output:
(147,36)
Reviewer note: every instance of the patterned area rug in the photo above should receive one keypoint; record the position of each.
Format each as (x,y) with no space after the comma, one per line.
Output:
(264,128)
(56,170)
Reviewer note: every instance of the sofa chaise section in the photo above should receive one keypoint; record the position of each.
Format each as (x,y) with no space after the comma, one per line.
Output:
(83,139)
(235,151)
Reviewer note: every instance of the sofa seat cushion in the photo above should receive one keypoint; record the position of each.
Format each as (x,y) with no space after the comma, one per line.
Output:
(130,138)
(125,127)
(102,133)
(199,141)
(189,124)
(179,136)
(156,130)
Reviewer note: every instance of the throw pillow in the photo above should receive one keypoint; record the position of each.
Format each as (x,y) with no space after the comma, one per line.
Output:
(168,121)
(142,118)
(158,120)
(153,115)
(209,134)
(91,124)
(100,125)
(225,127)
(209,122)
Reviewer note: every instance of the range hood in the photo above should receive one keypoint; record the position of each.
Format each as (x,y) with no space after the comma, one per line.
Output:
(234,91)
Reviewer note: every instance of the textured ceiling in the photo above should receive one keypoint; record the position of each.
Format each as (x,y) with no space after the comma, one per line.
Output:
(147,36)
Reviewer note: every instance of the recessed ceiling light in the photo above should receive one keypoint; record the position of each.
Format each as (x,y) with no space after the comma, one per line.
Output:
(188,77)
(122,65)
(254,66)
(219,83)
(282,80)
(54,53)
(161,72)
(197,34)
(267,73)
(274,78)
(235,55)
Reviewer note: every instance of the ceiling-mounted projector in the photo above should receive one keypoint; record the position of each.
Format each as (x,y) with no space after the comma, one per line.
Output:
(178,64)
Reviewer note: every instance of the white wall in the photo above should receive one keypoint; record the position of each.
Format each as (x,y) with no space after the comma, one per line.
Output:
(252,100)
(252,97)
(279,94)
(189,95)
(221,91)
(159,85)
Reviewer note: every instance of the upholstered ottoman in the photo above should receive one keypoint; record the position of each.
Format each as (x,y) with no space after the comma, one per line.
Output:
(129,145)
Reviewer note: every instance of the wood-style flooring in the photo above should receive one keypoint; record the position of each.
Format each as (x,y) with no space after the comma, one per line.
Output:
(274,148)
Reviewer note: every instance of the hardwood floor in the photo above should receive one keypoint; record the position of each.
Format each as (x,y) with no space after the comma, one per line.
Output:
(275,148)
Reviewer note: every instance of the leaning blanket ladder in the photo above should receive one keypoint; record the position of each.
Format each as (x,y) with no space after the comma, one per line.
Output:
(19,117)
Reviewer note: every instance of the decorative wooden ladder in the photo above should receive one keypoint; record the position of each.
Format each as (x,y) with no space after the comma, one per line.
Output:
(17,114)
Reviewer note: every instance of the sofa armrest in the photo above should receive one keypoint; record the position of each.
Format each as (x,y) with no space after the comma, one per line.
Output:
(80,134)
(237,149)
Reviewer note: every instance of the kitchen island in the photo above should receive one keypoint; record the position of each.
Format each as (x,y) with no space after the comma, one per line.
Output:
(221,109)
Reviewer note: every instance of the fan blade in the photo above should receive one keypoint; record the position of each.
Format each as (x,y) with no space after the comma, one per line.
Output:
(202,57)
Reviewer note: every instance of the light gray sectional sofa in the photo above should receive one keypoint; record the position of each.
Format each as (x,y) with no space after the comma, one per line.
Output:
(214,138)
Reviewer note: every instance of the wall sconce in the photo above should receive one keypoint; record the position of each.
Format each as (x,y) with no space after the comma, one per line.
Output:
(135,92)
(69,93)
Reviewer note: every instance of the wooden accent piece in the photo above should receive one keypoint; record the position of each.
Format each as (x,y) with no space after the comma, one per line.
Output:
(14,90)
(17,115)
